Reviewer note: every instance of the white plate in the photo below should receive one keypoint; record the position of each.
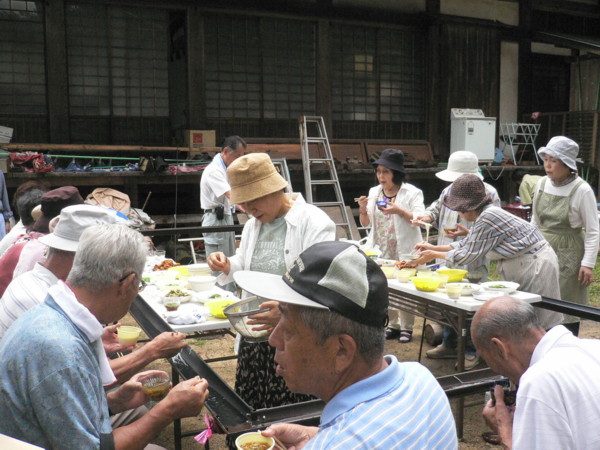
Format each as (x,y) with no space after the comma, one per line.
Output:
(507,287)
(484,296)
(183,299)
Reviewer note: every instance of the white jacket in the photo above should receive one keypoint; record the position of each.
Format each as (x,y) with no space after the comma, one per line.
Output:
(410,198)
(305,224)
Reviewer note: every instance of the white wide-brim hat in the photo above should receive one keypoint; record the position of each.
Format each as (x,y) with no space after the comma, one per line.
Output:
(460,163)
(72,222)
(563,148)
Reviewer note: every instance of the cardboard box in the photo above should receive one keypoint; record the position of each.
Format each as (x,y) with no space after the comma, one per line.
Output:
(199,138)
(5,135)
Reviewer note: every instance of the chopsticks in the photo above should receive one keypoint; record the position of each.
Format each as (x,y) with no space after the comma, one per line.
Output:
(279,443)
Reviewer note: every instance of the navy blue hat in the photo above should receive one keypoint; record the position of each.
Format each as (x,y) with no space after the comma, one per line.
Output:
(391,158)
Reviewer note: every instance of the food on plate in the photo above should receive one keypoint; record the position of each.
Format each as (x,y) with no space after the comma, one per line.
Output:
(176,293)
(166,264)
(405,265)
(497,286)
(216,296)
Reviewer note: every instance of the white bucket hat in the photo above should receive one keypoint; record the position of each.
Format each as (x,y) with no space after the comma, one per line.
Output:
(562,148)
(459,163)
(73,221)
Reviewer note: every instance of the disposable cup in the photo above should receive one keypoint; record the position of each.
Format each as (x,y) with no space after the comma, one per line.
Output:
(156,385)
(453,290)
(128,335)
(245,440)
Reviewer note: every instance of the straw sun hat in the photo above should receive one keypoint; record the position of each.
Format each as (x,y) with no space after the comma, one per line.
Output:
(253,176)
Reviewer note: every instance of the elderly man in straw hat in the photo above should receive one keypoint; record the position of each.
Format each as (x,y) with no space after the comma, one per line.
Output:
(53,386)
(282,226)
(451,227)
(558,397)
(522,253)
(329,343)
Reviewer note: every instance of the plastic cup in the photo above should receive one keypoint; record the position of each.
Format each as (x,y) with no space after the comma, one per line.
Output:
(444,280)
(156,385)
(403,277)
(245,441)
(172,303)
(454,290)
(128,335)
(160,254)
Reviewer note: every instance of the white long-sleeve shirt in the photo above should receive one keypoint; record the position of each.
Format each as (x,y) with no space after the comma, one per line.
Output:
(583,213)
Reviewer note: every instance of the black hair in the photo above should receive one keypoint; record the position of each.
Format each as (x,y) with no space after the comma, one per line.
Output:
(26,202)
(517,175)
(233,142)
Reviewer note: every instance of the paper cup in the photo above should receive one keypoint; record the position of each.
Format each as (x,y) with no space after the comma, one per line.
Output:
(454,290)
(243,441)
(128,335)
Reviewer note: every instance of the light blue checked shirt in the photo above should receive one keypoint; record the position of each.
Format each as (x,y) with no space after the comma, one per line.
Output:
(401,407)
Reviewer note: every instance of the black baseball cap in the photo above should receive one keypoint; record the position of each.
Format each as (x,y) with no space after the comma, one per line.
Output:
(330,275)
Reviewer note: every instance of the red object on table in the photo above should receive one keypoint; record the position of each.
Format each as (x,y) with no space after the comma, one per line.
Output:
(524,212)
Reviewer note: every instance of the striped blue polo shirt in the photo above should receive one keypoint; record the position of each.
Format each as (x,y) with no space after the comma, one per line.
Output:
(403,407)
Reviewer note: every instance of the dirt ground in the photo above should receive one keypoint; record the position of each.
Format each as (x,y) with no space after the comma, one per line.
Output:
(221,346)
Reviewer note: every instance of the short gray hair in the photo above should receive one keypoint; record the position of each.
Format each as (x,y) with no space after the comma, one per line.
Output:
(324,324)
(512,320)
(106,253)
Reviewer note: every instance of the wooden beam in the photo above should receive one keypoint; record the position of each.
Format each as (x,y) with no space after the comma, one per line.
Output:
(57,80)
(196,98)
(323,69)
(86,148)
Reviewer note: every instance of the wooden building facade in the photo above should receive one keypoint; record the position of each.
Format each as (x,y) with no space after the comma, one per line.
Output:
(139,72)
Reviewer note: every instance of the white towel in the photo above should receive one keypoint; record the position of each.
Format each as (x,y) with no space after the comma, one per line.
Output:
(87,324)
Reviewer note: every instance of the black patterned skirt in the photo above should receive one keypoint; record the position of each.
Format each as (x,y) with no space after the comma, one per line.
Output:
(256,381)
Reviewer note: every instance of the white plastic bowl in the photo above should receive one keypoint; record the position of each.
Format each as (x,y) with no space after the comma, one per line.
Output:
(202,283)
(199,270)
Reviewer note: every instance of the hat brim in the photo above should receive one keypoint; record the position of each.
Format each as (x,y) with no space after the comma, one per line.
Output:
(389,164)
(554,154)
(460,205)
(257,188)
(54,241)
(272,287)
(451,175)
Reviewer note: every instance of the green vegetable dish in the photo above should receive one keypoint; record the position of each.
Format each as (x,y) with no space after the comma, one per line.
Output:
(497,286)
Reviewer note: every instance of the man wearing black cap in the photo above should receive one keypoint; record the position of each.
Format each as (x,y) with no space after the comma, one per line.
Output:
(329,343)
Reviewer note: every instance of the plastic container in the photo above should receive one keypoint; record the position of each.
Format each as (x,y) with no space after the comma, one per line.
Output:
(216,307)
(198,270)
(426,284)
(238,316)
(454,275)
(454,291)
(128,335)
(254,436)
(201,283)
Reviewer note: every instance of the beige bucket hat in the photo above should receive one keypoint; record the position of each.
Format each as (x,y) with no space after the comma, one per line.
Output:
(253,176)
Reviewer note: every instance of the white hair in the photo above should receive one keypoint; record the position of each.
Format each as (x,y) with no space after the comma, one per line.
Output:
(106,253)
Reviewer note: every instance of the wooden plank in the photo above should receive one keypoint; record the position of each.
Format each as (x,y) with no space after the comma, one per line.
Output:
(196,88)
(88,148)
(57,79)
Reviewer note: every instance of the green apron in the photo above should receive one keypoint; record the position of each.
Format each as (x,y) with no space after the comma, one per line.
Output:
(552,213)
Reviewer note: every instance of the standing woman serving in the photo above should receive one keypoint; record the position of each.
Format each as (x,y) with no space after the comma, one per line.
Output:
(564,209)
(389,210)
(282,226)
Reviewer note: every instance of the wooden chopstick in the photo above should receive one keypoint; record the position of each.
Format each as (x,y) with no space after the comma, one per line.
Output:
(279,443)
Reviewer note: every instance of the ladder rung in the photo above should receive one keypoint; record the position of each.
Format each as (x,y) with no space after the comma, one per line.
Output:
(323,182)
(343,224)
(339,204)
(315,139)
(320,160)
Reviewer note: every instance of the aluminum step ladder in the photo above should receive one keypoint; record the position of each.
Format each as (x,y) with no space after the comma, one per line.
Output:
(324,183)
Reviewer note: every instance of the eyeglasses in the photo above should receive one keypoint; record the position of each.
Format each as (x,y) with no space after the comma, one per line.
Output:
(142,285)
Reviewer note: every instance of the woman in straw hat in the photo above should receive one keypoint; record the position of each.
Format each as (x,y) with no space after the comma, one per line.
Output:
(522,253)
(282,226)
(388,210)
(564,209)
